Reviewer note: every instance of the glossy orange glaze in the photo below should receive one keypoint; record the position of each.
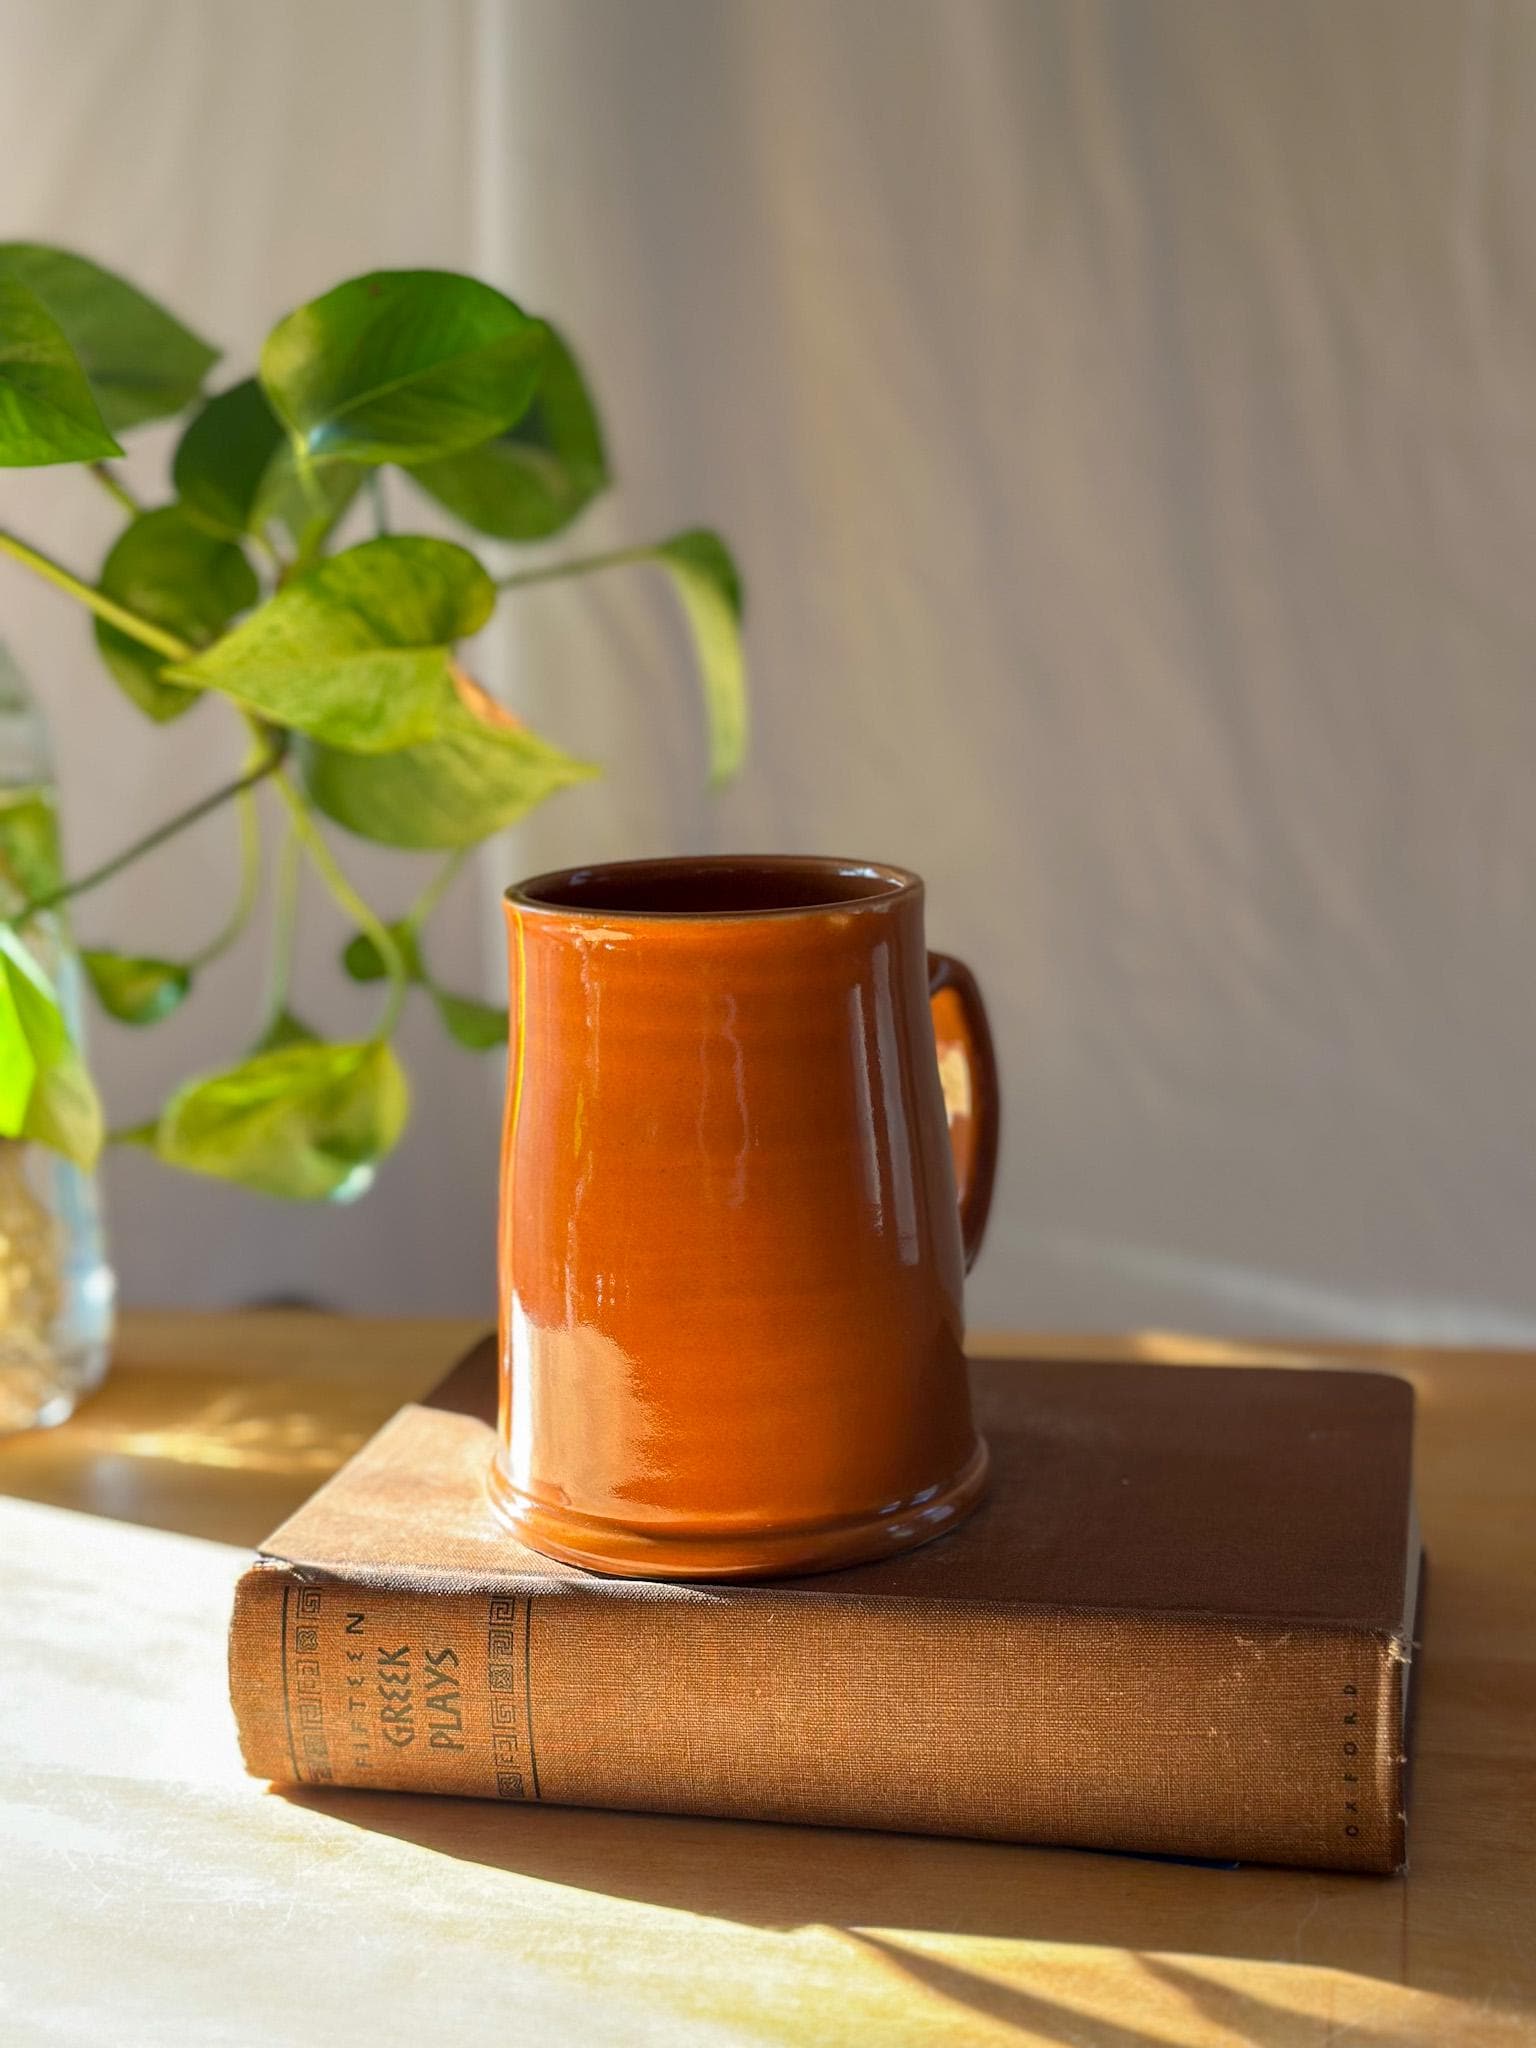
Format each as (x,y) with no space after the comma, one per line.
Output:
(731,1253)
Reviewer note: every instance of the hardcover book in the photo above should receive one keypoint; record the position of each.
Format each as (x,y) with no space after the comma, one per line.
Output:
(1182,1624)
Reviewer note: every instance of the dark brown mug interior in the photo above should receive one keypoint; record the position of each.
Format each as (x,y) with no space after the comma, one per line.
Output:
(726,886)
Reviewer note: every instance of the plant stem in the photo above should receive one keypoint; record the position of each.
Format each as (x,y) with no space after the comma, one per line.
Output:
(104,607)
(274,560)
(318,528)
(250,883)
(114,487)
(426,903)
(134,1134)
(582,567)
(367,919)
(379,503)
(285,904)
(161,833)
(436,889)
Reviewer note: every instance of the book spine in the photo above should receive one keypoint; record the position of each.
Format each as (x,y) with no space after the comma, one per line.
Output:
(1169,1735)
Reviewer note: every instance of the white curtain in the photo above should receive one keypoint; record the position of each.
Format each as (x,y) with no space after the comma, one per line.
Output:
(235,160)
(1126,418)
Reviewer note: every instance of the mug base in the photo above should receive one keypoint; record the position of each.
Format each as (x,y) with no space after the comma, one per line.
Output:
(630,1550)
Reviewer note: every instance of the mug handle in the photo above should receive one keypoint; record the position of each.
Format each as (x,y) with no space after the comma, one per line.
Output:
(962,1039)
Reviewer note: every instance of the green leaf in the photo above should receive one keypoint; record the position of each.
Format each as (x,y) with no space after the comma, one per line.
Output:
(18,1062)
(482,771)
(141,362)
(709,588)
(306,499)
(65,1111)
(479,1026)
(48,412)
(308,1122)
(176,574)
(136,990)
(363,961)
(355,651)
(532,480)
(31,865)
(236,473)
(401,366)
(45,1092)
(223,457)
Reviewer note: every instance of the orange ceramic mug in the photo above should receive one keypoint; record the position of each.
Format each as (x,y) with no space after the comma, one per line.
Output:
(731,1250)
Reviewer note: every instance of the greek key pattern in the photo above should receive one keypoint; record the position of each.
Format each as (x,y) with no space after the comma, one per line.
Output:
(508,1662)
(305,1699)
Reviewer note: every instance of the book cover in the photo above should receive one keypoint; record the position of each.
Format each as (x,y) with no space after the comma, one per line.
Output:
(1182,1624)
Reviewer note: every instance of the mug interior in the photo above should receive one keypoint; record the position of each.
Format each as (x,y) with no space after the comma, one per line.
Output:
(724,886)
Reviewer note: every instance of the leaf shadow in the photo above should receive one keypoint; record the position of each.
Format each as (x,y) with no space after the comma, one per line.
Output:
(1039,2018)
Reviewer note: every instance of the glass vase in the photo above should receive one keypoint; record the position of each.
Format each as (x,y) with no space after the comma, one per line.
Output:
(56,1289)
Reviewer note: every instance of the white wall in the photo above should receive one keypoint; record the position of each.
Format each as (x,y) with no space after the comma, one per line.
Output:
(1126,416)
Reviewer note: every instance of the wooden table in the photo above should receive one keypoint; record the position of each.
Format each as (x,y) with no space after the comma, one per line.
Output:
(152,1894)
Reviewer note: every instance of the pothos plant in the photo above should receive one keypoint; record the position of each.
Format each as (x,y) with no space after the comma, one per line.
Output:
(340,662)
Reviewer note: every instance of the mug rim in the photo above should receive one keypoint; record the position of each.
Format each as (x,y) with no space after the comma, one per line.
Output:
(899,883)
